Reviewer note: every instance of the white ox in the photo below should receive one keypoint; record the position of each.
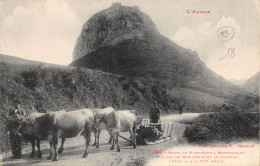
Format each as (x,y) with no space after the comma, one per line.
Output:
(66,125)
(121,121)
(101,125)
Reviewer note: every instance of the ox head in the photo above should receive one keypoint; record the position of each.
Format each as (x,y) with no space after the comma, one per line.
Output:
(15,118)
(98,119)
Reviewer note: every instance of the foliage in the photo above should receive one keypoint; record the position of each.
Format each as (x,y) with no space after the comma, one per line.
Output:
(71,88)
(223,126)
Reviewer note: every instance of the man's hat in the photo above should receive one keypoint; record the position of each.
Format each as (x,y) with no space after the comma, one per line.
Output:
(17,101)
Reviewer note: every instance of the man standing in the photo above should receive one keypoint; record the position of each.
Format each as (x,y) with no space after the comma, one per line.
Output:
(13,117)
(155,114)
(181,108)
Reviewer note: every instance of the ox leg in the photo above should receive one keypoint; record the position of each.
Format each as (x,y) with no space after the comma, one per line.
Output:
(62,145)
(110,139)
(55,143)
(87,138)
(98,133)
(33,147)
(112,134)
(113,143)
(118,148)
(38,142)
(95,135)
(134,136)
(51,151)
(131,137)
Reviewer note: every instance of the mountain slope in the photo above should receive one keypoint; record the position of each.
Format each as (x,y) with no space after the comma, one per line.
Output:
(64,87)
(252,84)
(16,60)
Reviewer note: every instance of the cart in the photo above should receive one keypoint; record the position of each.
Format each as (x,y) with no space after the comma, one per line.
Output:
(166,131)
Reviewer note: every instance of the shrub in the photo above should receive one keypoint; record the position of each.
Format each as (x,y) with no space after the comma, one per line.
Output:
(30,79)
(223,126)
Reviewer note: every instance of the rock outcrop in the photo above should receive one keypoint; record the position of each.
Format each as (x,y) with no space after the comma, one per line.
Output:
(112,26)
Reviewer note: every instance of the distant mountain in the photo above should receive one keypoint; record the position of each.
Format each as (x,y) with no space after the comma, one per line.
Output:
(237,82)
(16,60)
(252,84)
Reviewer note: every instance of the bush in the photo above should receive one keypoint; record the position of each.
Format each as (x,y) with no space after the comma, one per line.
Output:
(223,126)
(30,79)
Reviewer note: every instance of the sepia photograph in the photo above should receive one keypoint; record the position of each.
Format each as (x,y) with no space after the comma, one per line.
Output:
(129,82)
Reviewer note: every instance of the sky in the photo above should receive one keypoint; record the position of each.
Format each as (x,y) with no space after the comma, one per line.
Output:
(47,30)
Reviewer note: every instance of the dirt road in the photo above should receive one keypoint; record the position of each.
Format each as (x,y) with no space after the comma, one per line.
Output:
(74,149)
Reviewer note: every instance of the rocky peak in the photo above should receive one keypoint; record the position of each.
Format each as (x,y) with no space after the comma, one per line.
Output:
(112,26)
(115,5)
(125,41)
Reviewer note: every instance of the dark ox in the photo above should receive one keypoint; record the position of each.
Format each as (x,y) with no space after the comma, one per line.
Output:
(121,121)
(28,132)
(65,125)
(98,113)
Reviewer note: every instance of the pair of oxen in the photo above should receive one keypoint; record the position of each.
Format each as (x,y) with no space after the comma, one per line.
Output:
(61,124)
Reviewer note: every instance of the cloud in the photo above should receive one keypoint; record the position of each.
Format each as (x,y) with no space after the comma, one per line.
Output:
(193,37)
(204,39)
(43,31)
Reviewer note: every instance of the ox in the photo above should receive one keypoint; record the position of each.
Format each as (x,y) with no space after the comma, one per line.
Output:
(27,129)
(121,121)
(98,113)
(66,125)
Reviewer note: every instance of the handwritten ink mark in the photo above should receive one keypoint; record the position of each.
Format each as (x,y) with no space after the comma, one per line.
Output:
(225,33)
(230,54)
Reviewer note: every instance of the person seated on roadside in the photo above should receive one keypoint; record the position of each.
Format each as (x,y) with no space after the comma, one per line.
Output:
(155,113)
(13,117)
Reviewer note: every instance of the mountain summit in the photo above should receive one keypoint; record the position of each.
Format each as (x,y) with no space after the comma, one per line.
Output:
(113,26)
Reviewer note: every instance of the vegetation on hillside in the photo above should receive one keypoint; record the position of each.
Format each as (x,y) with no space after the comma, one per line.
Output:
(71,88)
(63,87)
(223,126)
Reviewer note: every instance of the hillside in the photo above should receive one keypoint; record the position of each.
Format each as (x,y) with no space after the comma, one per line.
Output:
(252,84)
(64,87)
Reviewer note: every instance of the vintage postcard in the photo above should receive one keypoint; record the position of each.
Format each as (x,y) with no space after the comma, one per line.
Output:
(129,82)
